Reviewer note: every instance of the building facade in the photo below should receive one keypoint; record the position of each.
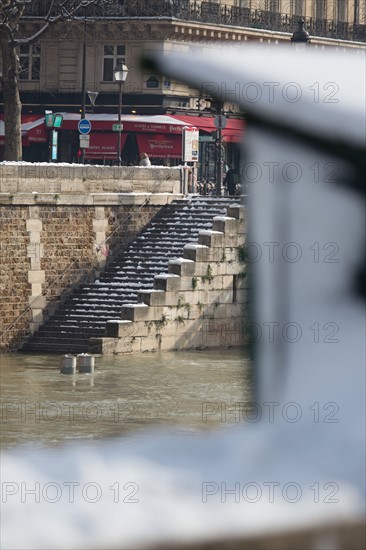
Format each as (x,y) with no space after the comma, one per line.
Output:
(56,76)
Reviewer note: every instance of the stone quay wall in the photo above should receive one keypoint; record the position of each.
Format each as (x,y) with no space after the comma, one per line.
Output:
(201,303)
(51,243)
(58,179)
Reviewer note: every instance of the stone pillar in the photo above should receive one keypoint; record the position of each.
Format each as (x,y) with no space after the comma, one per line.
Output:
(100,226)
(36,276)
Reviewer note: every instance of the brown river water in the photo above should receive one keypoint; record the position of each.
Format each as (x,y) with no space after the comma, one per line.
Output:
(189,391)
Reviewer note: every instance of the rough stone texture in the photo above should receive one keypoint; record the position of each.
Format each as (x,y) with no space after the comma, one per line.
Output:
(46,250)
(200,303)
(15,287)
(79,179)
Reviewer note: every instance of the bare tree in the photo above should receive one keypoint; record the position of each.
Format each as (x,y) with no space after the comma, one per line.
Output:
(13,35)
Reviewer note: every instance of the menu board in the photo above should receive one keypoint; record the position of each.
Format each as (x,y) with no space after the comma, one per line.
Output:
(190,144)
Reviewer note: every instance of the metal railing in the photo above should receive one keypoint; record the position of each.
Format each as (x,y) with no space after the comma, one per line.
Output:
(18,335)
(208,12)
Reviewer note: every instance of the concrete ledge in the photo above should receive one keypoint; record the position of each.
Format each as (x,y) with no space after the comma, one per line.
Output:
(92,199)
(84,179)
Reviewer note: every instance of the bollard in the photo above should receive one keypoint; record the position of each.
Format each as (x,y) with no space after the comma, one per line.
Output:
(68,364)
(85,363)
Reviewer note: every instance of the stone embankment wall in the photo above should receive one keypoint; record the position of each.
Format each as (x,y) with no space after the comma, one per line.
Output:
(51,242)
(59,179)
(200,303)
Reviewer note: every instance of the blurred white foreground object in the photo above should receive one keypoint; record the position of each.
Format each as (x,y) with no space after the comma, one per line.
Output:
(303,463)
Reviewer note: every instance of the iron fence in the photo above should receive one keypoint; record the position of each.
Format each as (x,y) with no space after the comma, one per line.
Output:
(208,12)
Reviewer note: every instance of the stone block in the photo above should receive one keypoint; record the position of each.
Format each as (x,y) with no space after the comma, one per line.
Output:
(33,326)
(36,277)
(128,345)
(220,296)
(100,226)
(225,224)
(229,311)
(34,236)
(241,280)
(103,346)
(99,213)
(34,225)
(37,317)
(37,302)
(125,329)
(182,266)
(233,240)
(36,289)
(233,268)
(236,211)
(223,332)
(196,252)
(169,282)
(100,237)
(211,238)
(241,296)
(158,297)
(151,343)
(141,312)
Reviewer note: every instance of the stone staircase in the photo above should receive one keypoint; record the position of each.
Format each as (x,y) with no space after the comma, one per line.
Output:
(84,313)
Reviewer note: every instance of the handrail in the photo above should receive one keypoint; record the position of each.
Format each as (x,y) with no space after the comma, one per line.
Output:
(98,248)
(43,293)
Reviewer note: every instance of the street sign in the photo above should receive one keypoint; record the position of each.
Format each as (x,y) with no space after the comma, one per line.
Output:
(49,119)
(84,126)
(54,145)
(58,120)
(190,144)
(53,121)
(84,141)
(220,121)
(117,127)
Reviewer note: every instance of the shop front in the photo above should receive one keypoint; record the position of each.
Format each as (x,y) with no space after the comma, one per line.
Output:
(160,136)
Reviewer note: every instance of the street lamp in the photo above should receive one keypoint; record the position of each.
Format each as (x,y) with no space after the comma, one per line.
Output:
(120,73)
(301,35)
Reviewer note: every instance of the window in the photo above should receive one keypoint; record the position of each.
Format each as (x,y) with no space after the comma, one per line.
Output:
(342,10)
(152,82)
(297,7)
(320,9)
(112,55)
(30,62)
(274,6)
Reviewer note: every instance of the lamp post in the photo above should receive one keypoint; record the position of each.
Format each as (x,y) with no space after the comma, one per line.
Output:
(120,73)
(84,4)
(301,35)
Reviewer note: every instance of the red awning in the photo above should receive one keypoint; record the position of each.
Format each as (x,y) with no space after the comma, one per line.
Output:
(233,131)
(33,130)
(104,145)
(131,123)
(36,131)
(160,145)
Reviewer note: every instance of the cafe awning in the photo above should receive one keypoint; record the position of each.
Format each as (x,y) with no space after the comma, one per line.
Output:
(233,131)
(104,145)
(160,145)
(33,130)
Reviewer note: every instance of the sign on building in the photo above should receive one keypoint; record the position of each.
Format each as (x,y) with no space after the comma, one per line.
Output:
(84,141)
(190,144)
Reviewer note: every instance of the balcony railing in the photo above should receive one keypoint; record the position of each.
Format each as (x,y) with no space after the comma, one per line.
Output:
(207,12)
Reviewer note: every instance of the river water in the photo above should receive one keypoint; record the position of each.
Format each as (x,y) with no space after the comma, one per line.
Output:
(189,391)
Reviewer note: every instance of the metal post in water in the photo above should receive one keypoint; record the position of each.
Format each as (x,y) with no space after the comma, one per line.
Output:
(68,364)
(85,363)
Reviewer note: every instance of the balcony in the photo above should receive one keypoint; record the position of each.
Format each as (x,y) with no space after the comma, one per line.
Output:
(208,12)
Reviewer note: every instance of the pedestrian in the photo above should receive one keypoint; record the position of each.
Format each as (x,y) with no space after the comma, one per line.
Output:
(230,181)
(144,160)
